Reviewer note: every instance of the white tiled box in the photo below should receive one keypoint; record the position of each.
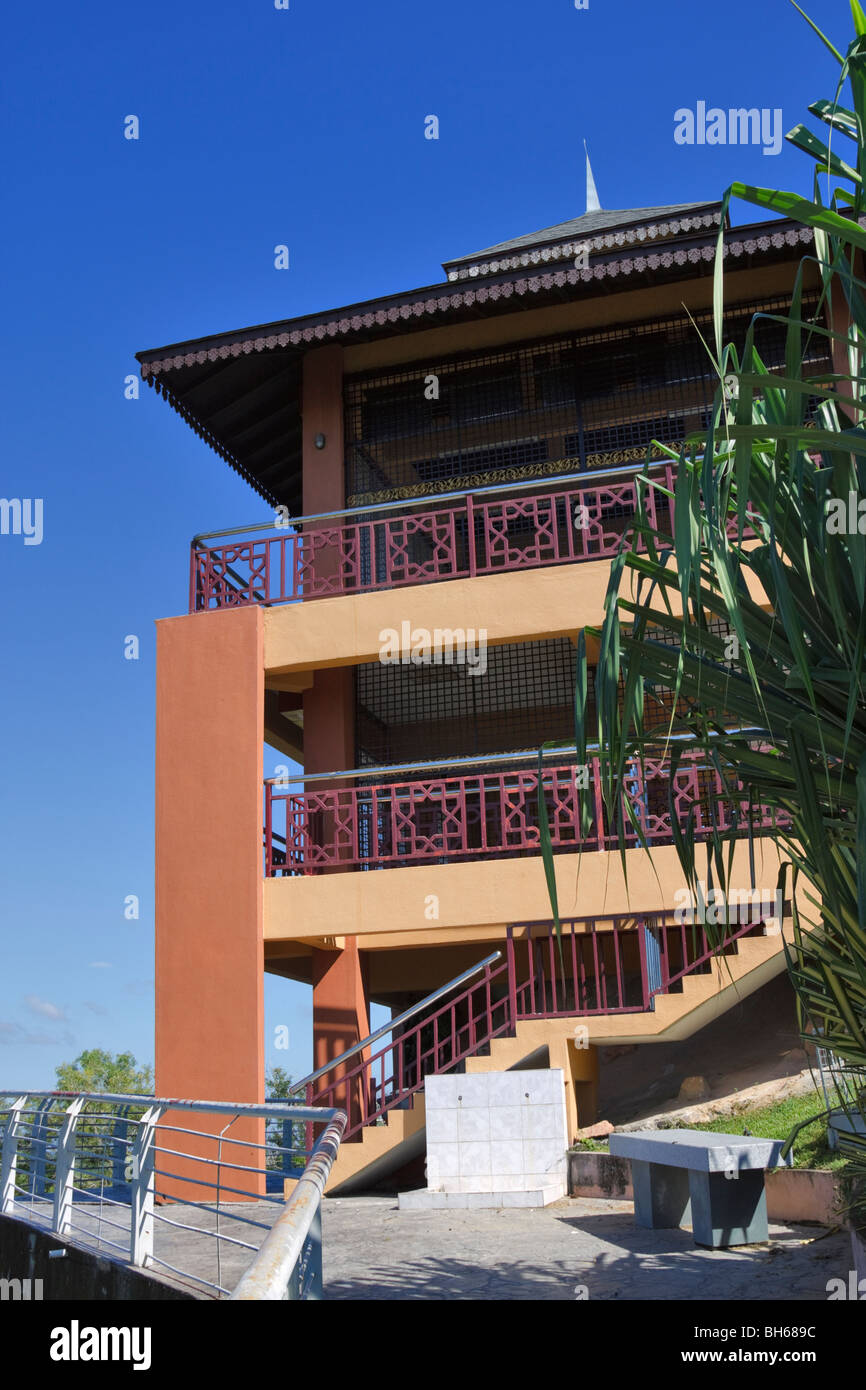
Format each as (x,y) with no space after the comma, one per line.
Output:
(495,1131)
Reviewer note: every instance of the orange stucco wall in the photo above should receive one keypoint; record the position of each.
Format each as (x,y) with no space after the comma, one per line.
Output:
(209,944)
(486,893)
(520,606)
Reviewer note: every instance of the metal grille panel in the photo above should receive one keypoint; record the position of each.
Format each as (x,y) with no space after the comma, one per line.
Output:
(580,401)
(407,713)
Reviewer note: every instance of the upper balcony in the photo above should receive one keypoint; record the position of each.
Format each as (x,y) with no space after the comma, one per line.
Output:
(454,536)
(476,809)
(480,463)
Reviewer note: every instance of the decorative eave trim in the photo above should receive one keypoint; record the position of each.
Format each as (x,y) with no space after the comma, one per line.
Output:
(603,241)
(452,299)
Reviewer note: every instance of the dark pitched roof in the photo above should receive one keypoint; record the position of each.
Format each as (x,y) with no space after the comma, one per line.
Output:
(240,391)
(589,224)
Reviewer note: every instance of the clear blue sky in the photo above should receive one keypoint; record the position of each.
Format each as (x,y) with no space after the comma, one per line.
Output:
(258,127)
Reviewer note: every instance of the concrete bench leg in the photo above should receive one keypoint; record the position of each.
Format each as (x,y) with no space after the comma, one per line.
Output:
(728,1211)
(661,1194)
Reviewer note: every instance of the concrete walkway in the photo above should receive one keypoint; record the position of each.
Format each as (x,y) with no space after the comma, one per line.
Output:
(578,1247)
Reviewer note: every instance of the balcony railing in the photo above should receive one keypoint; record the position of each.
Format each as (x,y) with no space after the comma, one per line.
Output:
(456,536)
(446,818)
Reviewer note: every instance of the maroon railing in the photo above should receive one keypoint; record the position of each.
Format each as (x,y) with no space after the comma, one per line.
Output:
(610,965)
(590,969)
(485,814)
(474,535)
(439,1042)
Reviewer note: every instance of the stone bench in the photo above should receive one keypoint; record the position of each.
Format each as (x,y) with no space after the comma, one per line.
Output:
(716,1181)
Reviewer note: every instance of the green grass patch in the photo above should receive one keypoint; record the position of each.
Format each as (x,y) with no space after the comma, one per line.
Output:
(766,1122)
(776,1122)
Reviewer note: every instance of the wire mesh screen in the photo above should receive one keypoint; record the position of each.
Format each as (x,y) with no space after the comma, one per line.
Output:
(524,697)
(407,713)
(582,401)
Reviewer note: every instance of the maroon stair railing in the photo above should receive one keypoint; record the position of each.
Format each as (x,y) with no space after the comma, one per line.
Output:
(437,1043)
(602,965)
(485,814)
(592,966)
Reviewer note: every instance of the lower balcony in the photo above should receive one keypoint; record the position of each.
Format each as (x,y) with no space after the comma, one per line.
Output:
(452,816)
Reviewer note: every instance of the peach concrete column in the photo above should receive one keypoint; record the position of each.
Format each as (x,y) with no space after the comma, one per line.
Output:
(209,929)
(323,473)
(340,1019)
(322,413)
(580,1070)
(839,321)
(329,705)
(340,1008)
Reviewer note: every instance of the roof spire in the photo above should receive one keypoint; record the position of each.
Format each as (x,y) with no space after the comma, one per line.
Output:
(592,203)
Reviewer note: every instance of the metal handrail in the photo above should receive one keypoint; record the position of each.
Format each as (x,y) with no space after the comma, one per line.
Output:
(396,1022)
(391,769)
(269,1111)
(268,1276)
(434,499)
(76,1207)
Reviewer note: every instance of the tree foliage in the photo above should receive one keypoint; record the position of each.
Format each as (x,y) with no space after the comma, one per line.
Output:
(97,1070)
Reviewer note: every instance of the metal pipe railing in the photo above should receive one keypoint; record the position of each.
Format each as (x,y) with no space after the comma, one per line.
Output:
(66,1183)
(555,480)
(269,1277)
(485,760)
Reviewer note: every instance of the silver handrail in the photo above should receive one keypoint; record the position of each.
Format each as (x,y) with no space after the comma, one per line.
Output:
(268,1277)
(396,1022)
(91,1210)
(388,769)
(434,499)
(452,764)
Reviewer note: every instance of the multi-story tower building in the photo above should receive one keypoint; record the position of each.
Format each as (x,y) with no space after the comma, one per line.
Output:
(457,459)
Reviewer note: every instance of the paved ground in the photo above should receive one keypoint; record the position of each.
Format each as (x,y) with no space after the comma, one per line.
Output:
(578,1247)
(374,1251)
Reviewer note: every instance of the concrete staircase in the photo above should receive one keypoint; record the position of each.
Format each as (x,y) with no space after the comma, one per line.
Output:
(382,1149)
(691,1004)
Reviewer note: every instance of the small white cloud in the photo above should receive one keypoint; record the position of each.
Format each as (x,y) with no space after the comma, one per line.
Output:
(100,965)
(44,1008)
(95,1008)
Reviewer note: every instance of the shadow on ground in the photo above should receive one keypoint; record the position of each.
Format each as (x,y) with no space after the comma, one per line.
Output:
(612,1260)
